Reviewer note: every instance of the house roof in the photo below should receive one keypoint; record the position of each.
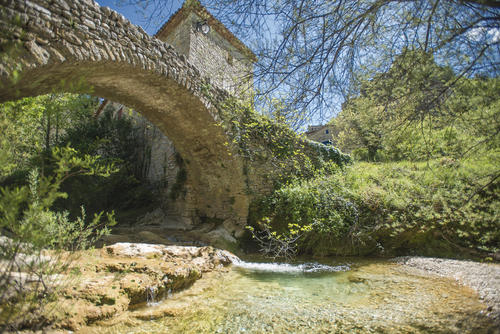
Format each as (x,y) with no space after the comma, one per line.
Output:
(196,7)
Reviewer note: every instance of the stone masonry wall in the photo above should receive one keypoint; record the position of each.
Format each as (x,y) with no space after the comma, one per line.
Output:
(162,166)
(227,69)
(179,39)
(320,135)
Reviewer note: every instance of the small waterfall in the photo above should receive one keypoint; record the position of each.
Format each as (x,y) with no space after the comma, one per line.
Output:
(311,267)
(151,295)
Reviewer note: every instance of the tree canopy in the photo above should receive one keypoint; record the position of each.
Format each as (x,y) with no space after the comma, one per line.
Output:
(410,112)
(312,53)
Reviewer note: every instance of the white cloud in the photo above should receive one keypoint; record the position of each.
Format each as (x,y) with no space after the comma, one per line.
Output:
(476,34)
(491,35)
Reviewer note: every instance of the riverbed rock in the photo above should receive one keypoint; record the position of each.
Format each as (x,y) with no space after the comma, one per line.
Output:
(116,278)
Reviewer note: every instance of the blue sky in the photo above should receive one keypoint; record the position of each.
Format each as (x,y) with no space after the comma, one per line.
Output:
(137,16)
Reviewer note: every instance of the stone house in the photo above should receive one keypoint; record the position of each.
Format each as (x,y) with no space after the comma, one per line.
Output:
(324,134)
(207,44)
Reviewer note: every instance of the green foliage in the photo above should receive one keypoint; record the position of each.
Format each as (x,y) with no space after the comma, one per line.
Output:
(278,245)
(314,207)
(418,110)
(116,141)
(279,112)
(33,125)
(34,238)
(110,137)
(258,138)
(56,158)
(448,205)
(40,121)
(444,207)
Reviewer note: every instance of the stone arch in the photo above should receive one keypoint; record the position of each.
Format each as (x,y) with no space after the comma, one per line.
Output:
(81,47)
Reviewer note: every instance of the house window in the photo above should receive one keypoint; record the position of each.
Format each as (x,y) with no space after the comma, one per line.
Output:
(326,131)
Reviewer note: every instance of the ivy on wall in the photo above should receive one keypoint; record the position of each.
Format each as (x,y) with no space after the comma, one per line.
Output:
(261,141)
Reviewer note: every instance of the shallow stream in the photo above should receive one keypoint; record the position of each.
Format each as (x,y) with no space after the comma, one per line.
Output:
(356,296)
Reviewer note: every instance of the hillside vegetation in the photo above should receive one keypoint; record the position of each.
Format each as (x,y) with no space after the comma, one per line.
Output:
(425,178)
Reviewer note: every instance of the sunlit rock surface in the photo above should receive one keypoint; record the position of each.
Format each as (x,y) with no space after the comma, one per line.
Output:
(119,277)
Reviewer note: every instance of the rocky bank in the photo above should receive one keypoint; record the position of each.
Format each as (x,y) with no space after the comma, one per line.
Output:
(114,279)
(109,285)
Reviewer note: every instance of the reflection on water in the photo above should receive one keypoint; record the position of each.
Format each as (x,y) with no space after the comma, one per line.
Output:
(360,297)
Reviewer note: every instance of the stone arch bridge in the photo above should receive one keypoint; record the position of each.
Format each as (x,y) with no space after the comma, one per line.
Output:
(81,47)
(77,46)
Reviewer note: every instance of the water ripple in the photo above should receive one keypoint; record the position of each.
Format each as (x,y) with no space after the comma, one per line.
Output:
(310,267)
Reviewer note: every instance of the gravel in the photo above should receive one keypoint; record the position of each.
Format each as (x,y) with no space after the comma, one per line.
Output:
(482,277)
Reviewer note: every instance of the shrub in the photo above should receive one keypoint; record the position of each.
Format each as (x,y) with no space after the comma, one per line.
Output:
(444,207)
(34,241)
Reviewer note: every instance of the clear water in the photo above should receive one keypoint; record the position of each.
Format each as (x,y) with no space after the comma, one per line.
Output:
(355,297)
